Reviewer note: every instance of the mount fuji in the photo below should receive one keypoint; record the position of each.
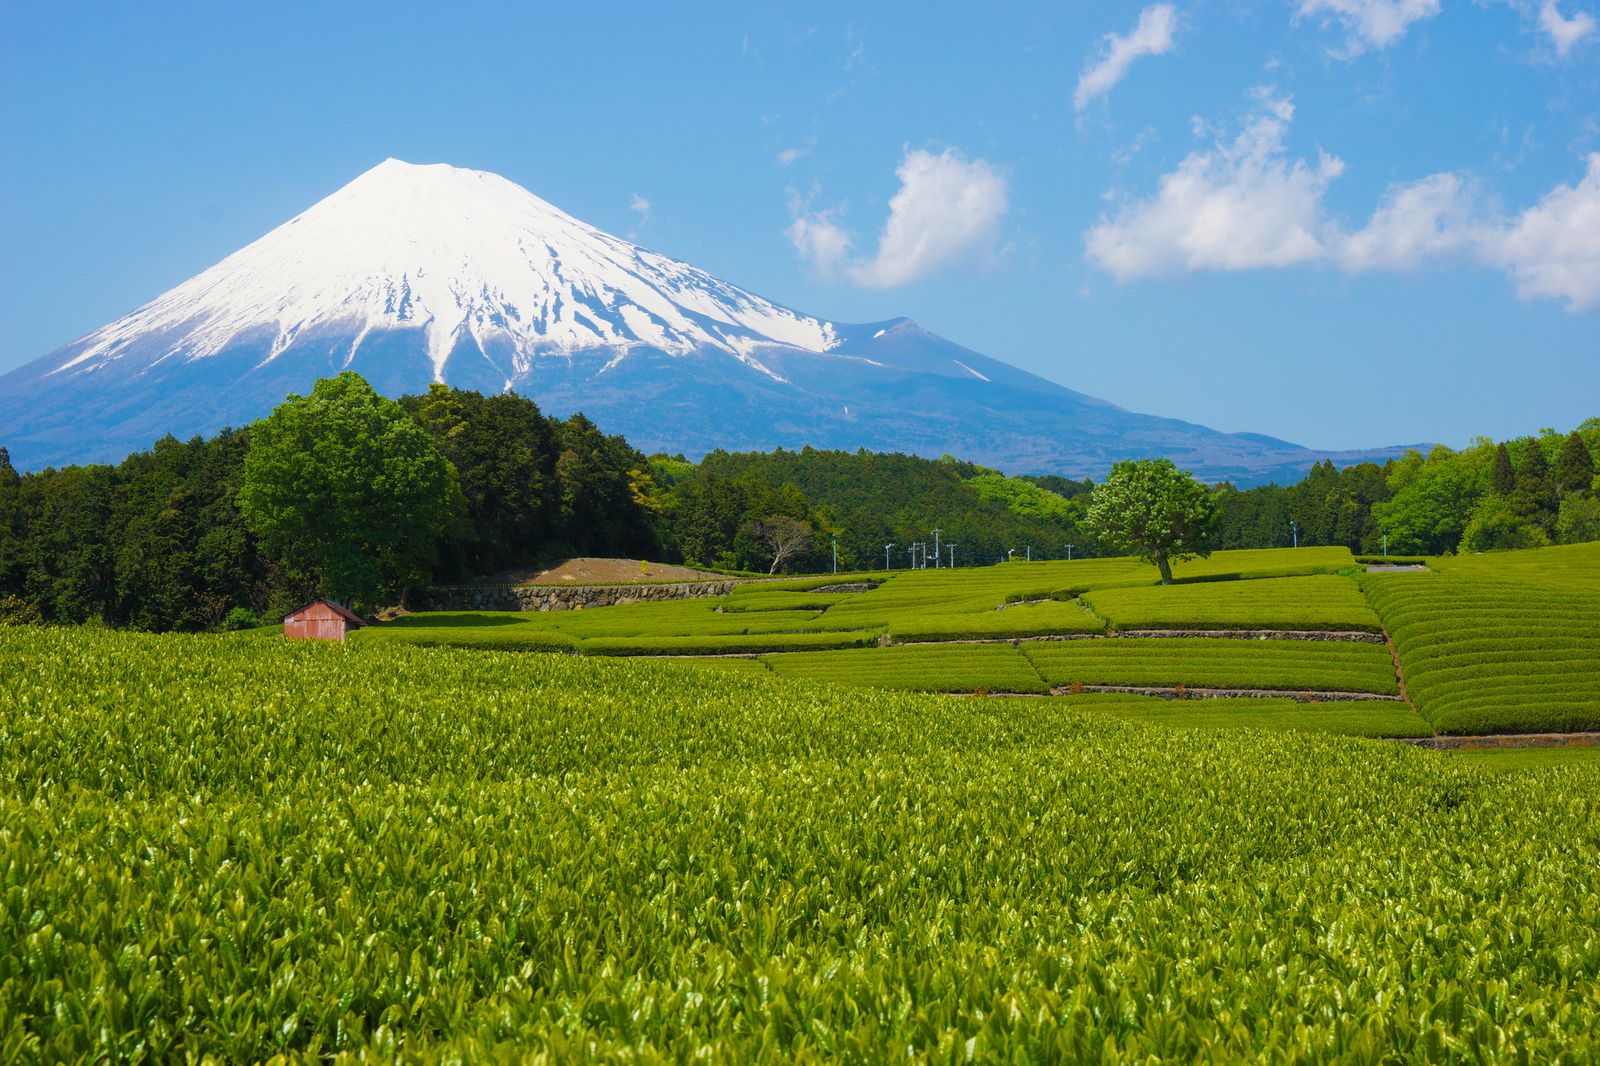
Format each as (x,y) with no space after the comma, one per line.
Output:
(411,275)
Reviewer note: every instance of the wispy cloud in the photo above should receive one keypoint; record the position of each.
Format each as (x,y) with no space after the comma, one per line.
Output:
(1244,204)
(947,211)
(794,153)
(641,207)
(1565,33)
(1152,36)
(1370,23)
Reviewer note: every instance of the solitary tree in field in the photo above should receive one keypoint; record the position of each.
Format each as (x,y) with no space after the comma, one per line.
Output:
(783,537)
(349,491)
(1150,508)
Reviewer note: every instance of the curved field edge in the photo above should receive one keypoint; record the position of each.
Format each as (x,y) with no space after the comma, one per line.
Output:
(243,849)
(1499,649)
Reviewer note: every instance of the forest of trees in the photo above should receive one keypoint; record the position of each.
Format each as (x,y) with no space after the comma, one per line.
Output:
(1519,494)
(160,542)
(863,499)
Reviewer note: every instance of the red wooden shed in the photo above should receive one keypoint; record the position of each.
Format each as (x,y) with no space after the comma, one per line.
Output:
(320,620)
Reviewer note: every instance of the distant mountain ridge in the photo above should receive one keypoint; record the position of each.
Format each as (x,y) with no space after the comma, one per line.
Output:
(415,274)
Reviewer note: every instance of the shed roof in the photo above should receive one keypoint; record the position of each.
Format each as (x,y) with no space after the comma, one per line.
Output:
(343,612)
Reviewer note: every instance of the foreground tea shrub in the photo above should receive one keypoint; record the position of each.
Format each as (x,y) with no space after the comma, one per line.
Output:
(241,848)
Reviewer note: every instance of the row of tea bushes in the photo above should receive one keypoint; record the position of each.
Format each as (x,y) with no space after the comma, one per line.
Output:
(1489,654)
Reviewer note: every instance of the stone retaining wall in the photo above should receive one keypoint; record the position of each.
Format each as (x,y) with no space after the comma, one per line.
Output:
(568,597)
(1308,696)
(1351,636)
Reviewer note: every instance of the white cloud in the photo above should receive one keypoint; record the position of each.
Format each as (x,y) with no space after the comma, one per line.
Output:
(947,210)
(641,207)
(1151,37)
(1235,206)
(822,244)
(1553,248)
(1565,33)
(1244,204)
(1425,221)
(1371,23)
(789,155)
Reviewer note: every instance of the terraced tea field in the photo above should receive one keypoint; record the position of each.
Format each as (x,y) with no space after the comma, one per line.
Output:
(922,668)
(1349,718)
(1284,665)
(1504,642)
(1508,642)
(1017,600)
(1323,602)
(246,848)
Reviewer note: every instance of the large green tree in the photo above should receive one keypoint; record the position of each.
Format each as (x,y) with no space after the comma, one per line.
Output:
(1150,508)
(505,453)
(349,491)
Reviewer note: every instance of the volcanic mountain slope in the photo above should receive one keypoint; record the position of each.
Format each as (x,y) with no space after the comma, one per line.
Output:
(415,274)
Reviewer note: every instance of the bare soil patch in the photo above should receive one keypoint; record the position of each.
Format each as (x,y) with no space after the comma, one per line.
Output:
(595,571)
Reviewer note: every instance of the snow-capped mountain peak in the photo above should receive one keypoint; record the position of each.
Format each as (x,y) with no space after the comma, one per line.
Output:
(412,275)
(465,256)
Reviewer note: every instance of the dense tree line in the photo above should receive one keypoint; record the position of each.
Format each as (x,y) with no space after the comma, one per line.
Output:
(161,541)
(1518,494)
(864,500)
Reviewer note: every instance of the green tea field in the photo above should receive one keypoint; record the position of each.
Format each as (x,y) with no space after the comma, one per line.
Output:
(243,849)
(1500,643)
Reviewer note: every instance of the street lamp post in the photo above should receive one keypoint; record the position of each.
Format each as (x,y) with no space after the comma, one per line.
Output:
(1296,531)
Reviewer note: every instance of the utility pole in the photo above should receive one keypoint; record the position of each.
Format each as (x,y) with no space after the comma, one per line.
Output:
(833,539)
(1296,531)
(1030,553)
(936,547)
(952,548)
(886,548)
(1386,545)
(913,551)
(1069,553)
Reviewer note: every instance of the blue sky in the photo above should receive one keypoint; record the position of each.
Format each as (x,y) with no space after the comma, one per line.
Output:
(1342,222)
